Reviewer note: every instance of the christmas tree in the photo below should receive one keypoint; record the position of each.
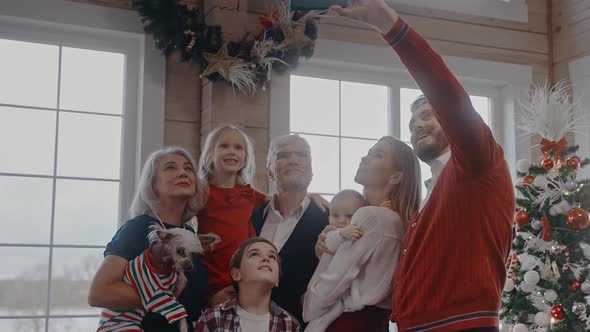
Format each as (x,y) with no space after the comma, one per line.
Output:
(548,281)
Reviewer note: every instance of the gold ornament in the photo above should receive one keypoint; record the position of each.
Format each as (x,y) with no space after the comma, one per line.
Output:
(221,63)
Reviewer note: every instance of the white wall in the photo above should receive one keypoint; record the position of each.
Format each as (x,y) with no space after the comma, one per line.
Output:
(580,77)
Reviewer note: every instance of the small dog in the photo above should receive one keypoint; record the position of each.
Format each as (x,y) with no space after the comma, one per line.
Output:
(157,276)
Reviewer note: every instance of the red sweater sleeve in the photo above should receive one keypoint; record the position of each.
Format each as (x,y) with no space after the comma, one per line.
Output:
(471,140)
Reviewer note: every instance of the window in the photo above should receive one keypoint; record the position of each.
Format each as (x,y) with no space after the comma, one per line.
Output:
(62,115)
(342,120)
(339,126)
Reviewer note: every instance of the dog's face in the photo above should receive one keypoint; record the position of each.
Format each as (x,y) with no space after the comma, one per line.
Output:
(175,246)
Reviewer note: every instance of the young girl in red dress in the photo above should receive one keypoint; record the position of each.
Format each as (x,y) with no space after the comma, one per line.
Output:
(227,164)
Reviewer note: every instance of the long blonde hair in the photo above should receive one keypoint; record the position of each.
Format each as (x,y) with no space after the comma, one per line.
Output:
(206,167)
(405,197)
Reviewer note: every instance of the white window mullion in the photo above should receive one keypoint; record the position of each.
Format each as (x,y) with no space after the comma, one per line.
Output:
(53,193)
(394,110)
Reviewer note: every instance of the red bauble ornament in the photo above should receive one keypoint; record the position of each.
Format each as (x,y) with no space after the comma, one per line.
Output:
(578,219)
(574,163)
(575,285)
(547,163)
(527,180)
(522,218)
(557,312)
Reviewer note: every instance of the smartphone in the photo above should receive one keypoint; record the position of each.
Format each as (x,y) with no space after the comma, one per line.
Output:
(316,4)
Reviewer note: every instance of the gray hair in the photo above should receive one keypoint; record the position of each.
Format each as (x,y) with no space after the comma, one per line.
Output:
(206,167)
(146,201)
(280,141)
(421,100)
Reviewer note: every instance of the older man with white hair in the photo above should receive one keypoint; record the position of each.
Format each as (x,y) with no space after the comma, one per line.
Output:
(291,220)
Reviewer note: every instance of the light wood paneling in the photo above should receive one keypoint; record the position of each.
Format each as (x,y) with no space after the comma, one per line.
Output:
(571,33)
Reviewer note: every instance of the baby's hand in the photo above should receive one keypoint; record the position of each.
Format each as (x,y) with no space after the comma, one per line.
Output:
(351,232)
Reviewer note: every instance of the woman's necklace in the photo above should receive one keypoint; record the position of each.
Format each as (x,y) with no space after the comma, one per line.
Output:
(386,203)
(159,220)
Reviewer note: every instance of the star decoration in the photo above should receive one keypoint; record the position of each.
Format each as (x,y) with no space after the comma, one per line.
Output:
(295,36)
(220,63)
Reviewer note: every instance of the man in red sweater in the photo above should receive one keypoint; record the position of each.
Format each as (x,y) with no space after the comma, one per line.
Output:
(451,272)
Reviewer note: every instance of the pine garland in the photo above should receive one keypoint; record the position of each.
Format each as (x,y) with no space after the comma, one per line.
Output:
(176,27)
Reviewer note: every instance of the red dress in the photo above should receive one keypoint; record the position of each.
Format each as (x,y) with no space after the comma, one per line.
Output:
(227,214)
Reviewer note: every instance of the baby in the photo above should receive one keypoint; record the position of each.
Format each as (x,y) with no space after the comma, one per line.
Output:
(342,207)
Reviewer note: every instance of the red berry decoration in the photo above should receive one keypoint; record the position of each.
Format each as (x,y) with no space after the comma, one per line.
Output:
(547,163)
(574,163)
(557,312)
(575,285)
(527,180)
(578,219)
(522,218)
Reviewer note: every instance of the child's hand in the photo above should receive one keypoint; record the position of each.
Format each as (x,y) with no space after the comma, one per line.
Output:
(351,232)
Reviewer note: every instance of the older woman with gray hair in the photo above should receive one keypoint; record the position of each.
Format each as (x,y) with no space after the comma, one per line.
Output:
(169,195)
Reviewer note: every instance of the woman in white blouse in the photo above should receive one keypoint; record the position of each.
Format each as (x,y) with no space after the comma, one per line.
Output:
(359,279)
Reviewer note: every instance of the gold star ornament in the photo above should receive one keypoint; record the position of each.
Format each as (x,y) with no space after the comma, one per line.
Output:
(221,63)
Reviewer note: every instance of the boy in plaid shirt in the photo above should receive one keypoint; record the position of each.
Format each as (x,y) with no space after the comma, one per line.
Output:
(254,269)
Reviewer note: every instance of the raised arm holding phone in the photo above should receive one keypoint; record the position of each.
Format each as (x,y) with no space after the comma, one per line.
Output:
(451,271)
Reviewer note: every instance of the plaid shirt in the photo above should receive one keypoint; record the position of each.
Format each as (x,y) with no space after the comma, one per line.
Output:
(224,318)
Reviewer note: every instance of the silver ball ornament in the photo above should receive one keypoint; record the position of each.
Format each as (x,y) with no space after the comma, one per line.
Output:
(555,249)
(520,328)
(586,251)
(571,185)
(536,225)
(578,308)
(550,295)
(585,287)
(509,285)
(532,277)
(542,319)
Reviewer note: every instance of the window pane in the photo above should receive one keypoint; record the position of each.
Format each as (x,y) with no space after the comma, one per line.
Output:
(86,212)
(352,152)
(314,105)
(27,141)
(26,206)
(407,97)
(482,106)
(324,162)
(29,73)
(328,197)
(92,81)
(23,281)
(22,325)
(72,324)
(72,272)
(89,145)
(364,110)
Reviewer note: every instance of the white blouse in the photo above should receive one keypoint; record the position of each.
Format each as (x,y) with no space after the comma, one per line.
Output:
(361,272)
